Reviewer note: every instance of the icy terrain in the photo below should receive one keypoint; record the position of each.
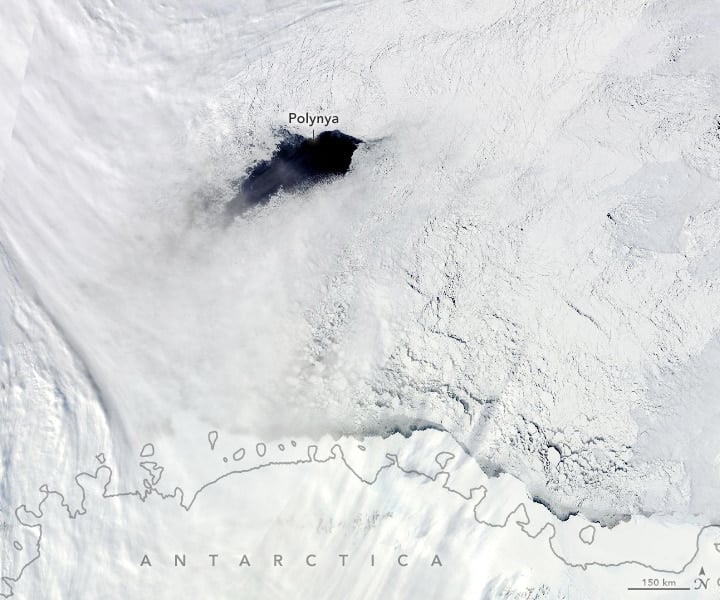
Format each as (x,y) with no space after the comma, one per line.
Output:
(389,518)
(524,253)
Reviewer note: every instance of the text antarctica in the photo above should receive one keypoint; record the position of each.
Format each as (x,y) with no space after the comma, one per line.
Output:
(278,560)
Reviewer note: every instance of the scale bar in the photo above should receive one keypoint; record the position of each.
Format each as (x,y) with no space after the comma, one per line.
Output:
(659,589)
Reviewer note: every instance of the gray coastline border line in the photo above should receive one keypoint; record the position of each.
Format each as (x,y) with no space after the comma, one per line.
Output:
(335,452)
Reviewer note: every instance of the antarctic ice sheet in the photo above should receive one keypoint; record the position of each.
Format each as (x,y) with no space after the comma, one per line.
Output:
(526,255)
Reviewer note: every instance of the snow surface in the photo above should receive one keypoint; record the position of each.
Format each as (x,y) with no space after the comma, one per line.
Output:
(525,253)
(368,505)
